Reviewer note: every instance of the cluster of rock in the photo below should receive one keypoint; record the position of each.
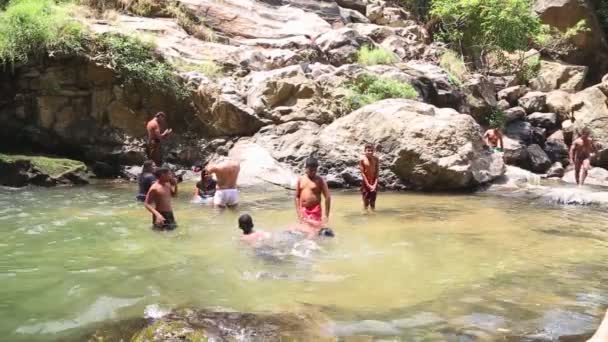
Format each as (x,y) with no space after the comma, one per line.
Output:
(20,172)
(285,65)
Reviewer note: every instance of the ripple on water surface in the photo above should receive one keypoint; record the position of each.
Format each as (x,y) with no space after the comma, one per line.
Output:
(421,266)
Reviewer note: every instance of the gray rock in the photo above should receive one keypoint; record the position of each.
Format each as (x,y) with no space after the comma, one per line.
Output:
(515,114)
(539,162)
(544,120)
(519,130)
(595,176)
(559,76)
(558,102)
(512,94)
(503,105)
(533,102)
(556,170)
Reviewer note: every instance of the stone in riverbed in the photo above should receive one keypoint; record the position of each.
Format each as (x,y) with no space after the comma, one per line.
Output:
(556,170)
(544,120)
(512,94)
(533,102)
(539,162)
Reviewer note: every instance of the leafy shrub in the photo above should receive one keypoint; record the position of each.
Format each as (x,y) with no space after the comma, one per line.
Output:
(455,67)
(32,28)
(497,119)
(367,89)
(372,56)
(134,60)
(476,27)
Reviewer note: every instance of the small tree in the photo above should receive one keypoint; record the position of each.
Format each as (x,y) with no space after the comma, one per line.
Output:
(477,27)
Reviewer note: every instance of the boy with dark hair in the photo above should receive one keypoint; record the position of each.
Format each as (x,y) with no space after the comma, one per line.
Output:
(250,236)
(145,179)
(160,194)
(205,188)
(369,166)
(309,189)
(580,154)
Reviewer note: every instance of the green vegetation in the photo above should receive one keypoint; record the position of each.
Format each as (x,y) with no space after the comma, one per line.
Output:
(51,166)
(477,27)
(455,67)
(190,22)
(497,119)
(208,68)
(135,60)
(367,89)
(602,15)
(372,56)
(33,28)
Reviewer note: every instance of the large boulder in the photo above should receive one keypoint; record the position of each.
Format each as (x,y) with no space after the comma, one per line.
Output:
(559,76)
(539,162)
(514,114)
(558,102)
(428,148)
(544,120)
(512,94)
(592,49)
(480,97)
(258,167)
(222,107)
(380,14)
(556,148)
(341,45)
(533,102)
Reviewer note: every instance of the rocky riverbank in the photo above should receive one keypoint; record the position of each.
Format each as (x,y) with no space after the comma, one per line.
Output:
(277,76)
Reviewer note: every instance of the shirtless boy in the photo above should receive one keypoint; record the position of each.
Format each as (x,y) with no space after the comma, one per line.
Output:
(227,173)
(493,138)
(581,150)
(309,189)
(369,165)
(250,236)
(155,136)
(160,194)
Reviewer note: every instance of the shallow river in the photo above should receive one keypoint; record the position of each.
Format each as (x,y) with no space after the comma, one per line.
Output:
(424,267)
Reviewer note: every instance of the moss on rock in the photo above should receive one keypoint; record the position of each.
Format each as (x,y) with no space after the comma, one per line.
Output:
(54,167)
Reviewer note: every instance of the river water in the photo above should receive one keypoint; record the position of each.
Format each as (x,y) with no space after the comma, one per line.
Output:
(424,267)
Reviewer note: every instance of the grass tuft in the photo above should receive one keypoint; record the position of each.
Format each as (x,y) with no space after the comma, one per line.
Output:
(367,89)
(373,56)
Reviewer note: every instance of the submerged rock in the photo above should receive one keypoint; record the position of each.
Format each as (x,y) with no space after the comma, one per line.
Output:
(19,171)
(202,325)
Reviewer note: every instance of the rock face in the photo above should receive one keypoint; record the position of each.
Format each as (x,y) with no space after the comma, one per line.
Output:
(20,171)
(592,49)
(539,162)
(559,76)
(533,102)
(425,147)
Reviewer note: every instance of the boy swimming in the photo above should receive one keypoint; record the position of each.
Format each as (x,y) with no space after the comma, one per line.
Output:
(250,236)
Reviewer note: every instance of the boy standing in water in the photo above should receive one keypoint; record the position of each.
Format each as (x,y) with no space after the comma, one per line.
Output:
(160,194)
(580,152)
(309,189)
(369,165)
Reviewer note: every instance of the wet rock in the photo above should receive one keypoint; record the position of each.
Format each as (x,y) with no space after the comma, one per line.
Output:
(595,176)
(512,94)
(372,327)
(419,320)
(559,76)
(539,162)
(19,171)
(481,321)
(533,102)
(516,153)
(515,114)
(201,325)
(559,325)
(544,120)
(556,148)
(519,130)
(556,170)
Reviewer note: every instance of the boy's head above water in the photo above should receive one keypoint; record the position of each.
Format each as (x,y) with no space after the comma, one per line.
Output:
(246,223)
(369,150)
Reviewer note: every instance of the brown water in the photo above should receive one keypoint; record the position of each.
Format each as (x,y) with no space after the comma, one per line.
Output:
(424,267)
